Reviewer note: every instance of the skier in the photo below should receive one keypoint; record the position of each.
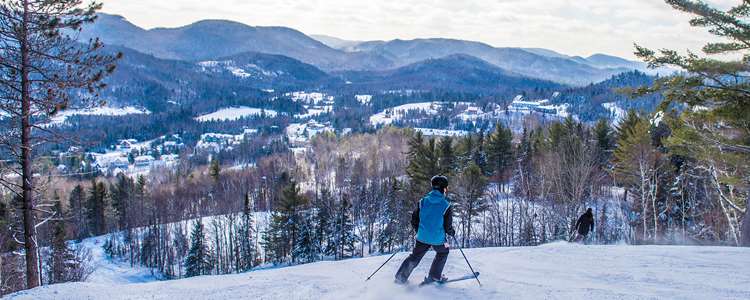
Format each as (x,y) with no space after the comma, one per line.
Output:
(583,226)
(432,220)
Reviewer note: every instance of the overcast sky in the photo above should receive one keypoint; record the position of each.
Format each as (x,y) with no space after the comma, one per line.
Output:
(575,27)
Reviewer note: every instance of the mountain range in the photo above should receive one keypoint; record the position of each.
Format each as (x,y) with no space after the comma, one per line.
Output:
(213,39)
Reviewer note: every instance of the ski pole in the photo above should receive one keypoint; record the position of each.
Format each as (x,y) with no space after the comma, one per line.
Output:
(467,261)
(381,266)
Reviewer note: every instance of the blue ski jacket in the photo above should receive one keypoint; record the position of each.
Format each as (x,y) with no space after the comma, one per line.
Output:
(433,219)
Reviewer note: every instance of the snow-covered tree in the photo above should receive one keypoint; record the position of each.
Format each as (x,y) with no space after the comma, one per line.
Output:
(305,247)
(198,261)
(64,264)
(246,236)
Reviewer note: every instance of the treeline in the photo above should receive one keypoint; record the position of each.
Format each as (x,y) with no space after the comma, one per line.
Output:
(352,196)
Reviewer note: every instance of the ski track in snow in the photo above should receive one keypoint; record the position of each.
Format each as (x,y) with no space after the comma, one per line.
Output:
(552,271)
(113,272)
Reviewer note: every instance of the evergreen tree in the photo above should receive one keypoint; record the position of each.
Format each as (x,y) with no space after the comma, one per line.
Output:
(285,224)
(140,198)
(500,151)
(394,218)
(447,158)
(246,236)
(636,166)
(121,194)
(198,261)
(345,236)
(77,202)
(627,124)
(275,240)
(423,163)
(604,140)
(64,264)
(325,222)
(214,169)
(471,201)
(714,129)
(479,155)
(96,208)
(305,247)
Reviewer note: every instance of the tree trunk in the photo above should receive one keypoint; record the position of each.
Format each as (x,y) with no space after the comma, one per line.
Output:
(746,226)
(1,275)
(29,228)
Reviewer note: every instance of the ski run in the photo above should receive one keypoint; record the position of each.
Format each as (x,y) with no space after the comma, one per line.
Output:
(552,271)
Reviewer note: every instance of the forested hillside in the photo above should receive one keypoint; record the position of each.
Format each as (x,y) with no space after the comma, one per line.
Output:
(218,148)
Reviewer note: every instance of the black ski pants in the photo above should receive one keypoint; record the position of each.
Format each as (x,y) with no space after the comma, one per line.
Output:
(411,262)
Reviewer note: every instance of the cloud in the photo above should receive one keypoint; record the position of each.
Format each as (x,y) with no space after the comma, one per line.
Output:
(575,27)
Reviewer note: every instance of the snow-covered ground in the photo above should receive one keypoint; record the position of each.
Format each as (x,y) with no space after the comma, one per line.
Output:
(471,112)
(236,113)
(441,132)
(314,98)
(390,115)
(301,133)
(61,117)
(111,272)
(314,111)
(363,99)
(520,104)
(552,271)
(616,112)
(245,71)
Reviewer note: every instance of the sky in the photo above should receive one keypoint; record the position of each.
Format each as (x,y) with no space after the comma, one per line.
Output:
(573,27)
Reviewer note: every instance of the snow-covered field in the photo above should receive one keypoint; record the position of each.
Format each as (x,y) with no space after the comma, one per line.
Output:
(61,117)
(552,271)
(235,113)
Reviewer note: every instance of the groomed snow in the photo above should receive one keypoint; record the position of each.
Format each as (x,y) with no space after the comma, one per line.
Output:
(235,113)
(553,271)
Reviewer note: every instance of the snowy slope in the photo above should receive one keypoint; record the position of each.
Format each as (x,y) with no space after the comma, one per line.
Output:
(235,113)
(61,117)
(109,272)
(553,271)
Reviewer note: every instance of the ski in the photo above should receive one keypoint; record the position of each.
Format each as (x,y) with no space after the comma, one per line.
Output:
(466,277)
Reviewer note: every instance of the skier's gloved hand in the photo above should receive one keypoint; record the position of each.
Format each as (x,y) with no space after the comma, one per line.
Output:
(451,232)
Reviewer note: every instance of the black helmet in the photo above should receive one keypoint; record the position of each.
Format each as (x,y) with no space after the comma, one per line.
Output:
(439,182)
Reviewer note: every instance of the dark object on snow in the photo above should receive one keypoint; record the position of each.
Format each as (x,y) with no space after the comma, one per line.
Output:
(433,220)
(746,226)
(381,266)
(447,220)
(476,274)
(411,262)
(585,223)
(429,279)
(465,277)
